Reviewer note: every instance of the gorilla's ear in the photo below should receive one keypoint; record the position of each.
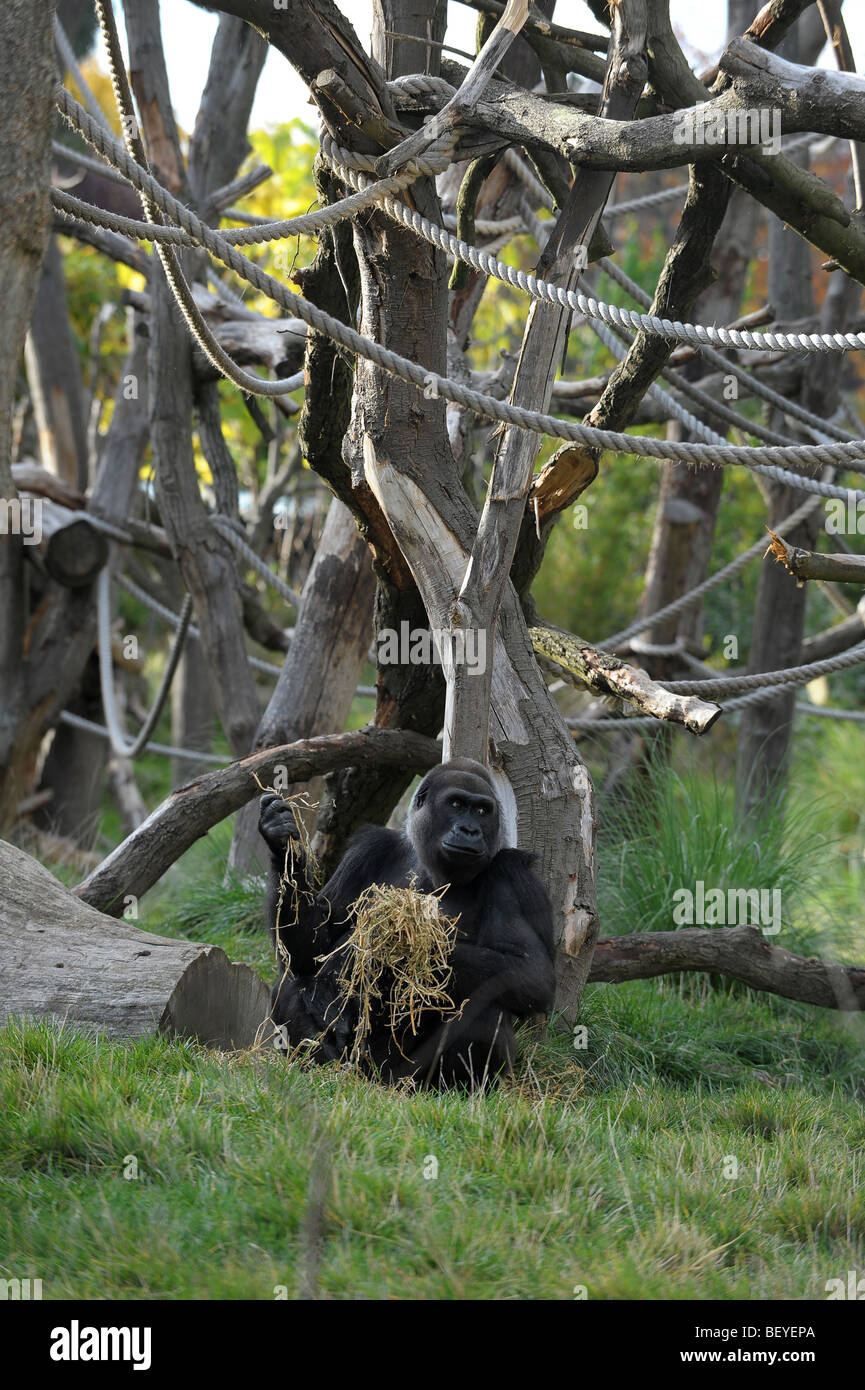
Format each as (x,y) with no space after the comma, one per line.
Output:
(419,797)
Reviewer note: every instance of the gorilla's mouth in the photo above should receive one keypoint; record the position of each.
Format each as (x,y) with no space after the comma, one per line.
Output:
(459,850)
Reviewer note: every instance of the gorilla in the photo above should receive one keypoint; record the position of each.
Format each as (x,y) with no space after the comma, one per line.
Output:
(502,961)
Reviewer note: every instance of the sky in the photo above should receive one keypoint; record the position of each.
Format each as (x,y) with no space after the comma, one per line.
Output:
(188,33)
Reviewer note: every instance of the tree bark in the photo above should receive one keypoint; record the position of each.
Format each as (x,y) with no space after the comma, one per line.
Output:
(54,376)
(206,561)
(27,76)
(319,676)
(779,619)
(743,953)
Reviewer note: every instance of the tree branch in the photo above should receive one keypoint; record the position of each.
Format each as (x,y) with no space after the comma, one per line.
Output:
(312,35)
(141,860)
(607,675)
(459,109)
(809,564)
(743,953)
(807,98)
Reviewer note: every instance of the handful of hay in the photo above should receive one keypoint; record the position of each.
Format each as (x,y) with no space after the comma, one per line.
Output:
(401,944)
(298,854)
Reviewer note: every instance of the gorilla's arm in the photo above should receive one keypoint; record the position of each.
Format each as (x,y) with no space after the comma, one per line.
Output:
(309,936)
(374,855)
(506,958)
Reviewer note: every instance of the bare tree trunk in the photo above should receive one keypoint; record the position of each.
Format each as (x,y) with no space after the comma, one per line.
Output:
(206,561)
(27,75)
(681,549)
(75,767)
(409,466)
(684,530)
(409,697)
(192,713)
(318,679)
(218,148)
(74,770)
(54,377)
(779,615)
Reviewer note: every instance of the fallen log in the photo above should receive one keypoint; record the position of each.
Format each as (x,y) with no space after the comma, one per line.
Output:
(249,337)
(61,959)
(743,953)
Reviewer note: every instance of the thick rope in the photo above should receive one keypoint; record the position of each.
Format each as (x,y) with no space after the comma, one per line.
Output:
(228,530)
(248,382)
(789,676)
(180,287)
(75,721)
(305,225)
(351,167)
(615,723)
(266,667)
(704,431)
(116,733)
(856,716)
(748,378)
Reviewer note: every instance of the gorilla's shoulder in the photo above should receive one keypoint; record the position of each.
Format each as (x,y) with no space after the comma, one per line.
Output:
(374,838)
(517,862)
(512,878)
(375,845)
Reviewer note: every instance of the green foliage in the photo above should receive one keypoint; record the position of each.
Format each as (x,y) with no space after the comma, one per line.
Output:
(674,827)
(92,280)
(289,150)
(221,909)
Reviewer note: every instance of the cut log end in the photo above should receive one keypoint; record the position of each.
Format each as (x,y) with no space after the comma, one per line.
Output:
(219,1004)
(62,960)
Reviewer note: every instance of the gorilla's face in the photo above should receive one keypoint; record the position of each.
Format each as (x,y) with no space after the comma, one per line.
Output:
(454,822)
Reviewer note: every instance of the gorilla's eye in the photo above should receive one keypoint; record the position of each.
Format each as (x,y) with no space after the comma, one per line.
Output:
(481,810)
(456,804)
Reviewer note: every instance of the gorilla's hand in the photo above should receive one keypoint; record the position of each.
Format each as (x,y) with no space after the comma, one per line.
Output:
(276,824)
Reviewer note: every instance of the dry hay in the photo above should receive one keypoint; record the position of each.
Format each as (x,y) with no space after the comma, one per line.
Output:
(298,854)
(397,955)
(399,946)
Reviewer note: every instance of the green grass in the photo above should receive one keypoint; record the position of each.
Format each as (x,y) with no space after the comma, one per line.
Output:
(602,1167)
(678,825)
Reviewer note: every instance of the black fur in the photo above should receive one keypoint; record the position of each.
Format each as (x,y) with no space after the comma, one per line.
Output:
(502,963)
